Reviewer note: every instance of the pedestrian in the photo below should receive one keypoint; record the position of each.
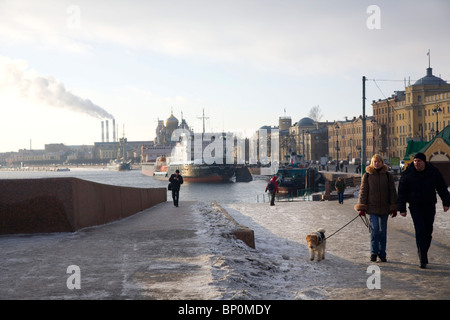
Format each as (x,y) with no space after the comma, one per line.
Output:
(340,186)
(272,187)
(418,185)
(176,180)
(377,197)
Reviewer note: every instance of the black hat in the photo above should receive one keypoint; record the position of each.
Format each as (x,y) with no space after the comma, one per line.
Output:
(421,156)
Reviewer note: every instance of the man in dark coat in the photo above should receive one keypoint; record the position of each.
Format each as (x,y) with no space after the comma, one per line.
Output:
(176,180)
(418,186)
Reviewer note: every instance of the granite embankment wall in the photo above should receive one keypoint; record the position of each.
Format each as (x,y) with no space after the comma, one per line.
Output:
(68,204)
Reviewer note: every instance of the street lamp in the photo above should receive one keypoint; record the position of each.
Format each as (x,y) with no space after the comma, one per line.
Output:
(436,110)
(373,134)
(351,149)
(337,146)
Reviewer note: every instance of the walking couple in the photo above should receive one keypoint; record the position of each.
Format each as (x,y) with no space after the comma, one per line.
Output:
(378,198)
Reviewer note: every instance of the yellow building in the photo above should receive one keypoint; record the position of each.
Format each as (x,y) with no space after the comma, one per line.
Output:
(421,112)
(345,139)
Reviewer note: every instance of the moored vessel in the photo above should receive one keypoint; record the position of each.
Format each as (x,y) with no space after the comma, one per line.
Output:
(192,172)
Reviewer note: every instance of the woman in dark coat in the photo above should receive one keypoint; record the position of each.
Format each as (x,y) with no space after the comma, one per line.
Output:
(377,197)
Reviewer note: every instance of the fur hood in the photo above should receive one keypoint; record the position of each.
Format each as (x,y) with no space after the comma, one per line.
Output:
(371,169)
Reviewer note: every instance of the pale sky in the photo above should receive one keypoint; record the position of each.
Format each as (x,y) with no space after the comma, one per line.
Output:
(67,65)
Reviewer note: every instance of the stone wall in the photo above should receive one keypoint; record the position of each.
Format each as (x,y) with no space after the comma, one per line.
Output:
(68,204)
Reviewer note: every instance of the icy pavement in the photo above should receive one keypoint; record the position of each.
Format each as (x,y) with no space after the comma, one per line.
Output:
(187,253)
(279,268)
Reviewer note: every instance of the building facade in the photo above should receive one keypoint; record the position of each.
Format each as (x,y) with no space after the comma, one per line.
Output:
(418,113)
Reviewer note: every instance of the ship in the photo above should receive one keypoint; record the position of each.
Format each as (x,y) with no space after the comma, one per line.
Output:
(297,178)
(202,172)
(153,157)
(199,170)
(156,169)
(293,180)
(121,163)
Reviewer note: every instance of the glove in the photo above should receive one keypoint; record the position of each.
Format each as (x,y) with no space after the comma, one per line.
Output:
(362,213)
(393,213)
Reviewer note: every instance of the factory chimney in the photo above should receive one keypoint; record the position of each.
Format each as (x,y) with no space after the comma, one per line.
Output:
(107,130)
(103,131)
(114,129)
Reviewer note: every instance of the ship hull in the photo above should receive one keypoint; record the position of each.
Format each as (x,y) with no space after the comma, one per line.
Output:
(203,173)
(119,166)
(295,181)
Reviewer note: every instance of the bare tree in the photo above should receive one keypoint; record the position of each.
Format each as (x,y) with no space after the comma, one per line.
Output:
(315,113)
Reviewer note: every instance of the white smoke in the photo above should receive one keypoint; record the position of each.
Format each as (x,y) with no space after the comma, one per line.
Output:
(14,74)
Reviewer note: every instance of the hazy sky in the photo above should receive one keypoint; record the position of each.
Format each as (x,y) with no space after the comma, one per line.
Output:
(66,65)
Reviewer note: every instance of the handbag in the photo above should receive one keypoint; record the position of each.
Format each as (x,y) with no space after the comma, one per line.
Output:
(169,187)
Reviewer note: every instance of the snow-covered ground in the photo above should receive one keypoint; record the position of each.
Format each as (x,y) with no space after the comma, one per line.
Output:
(279,267)
(187,253)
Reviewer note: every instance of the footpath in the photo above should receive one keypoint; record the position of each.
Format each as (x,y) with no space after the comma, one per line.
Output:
(155,254)
(186,252)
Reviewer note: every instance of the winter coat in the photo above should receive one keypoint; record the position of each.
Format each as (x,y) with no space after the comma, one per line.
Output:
(377,194)
(176,181)
(340,185)
(419,187)
(275,189)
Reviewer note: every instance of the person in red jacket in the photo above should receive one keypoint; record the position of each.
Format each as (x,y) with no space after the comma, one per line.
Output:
(272,187)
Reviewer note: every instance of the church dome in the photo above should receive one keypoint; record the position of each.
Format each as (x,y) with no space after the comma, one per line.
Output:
(306,122)
(429,79)
(172,121)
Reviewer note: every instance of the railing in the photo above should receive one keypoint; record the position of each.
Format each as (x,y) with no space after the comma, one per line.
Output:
(298,195)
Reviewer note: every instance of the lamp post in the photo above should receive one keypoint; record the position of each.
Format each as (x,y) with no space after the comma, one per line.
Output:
(373,121)
(436,110)
(351,149)
(337,146)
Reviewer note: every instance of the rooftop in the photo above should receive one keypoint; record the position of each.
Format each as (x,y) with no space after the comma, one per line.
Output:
(430,79)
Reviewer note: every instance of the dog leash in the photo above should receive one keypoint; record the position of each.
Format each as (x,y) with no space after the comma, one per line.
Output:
(365,222)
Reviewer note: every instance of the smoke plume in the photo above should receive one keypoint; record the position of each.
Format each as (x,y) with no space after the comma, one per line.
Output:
(44,89)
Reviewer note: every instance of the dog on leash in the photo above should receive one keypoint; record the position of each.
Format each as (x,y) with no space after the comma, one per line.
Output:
(316,244)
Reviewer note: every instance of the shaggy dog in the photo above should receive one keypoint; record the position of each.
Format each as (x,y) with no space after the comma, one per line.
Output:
(316,244)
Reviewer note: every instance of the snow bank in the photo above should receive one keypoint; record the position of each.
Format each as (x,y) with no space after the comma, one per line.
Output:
(279,267)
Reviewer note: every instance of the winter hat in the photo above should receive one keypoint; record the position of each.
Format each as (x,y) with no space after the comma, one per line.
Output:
(420,156)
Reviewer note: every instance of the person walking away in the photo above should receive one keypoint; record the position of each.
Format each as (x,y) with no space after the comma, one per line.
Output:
(377,197)
(340,186)
(176,180)
(272,187)
(418,185)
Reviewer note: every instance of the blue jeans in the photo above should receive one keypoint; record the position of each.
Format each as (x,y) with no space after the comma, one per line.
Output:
(378,234)
(341,197)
